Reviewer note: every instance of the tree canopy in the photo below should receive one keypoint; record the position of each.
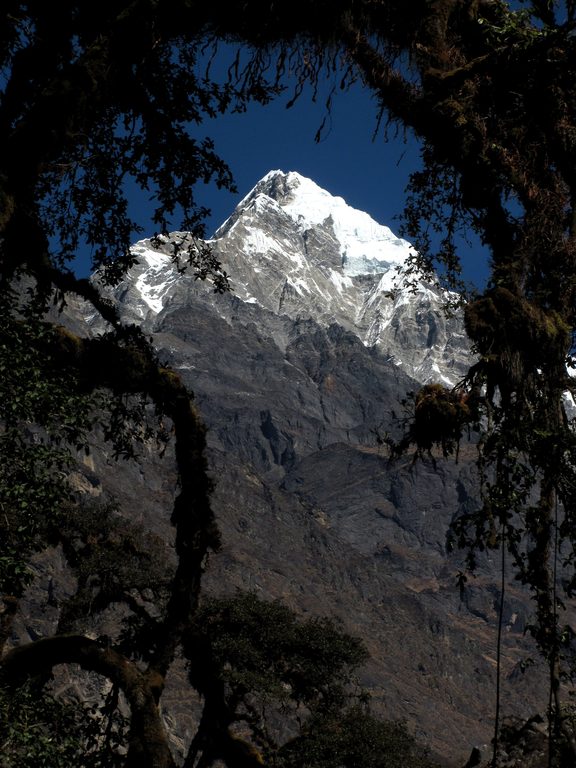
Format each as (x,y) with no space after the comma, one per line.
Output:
(97,96)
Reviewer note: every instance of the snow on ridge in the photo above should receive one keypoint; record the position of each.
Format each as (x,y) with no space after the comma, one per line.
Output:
(366,246)
(155,276)
(274,266)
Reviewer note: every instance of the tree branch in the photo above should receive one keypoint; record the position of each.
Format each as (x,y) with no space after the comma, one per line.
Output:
(148,741)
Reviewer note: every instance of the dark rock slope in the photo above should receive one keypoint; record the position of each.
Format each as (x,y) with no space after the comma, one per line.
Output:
(295,394)
(312,511)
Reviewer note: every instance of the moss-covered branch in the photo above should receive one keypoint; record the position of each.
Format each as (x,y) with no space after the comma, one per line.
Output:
(148,742)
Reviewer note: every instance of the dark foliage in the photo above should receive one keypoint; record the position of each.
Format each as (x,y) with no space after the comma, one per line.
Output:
(94,99)
(264,667)
(97,96)
(40,731)
(353,739)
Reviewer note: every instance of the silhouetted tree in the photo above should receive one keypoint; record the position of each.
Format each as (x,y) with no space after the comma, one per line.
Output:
(94,96)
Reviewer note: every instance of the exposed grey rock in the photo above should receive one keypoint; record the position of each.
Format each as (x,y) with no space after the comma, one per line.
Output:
(297,374)
(296,252)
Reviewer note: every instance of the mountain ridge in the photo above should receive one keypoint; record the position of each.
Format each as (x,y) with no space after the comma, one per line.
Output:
(295,250)
(311,509)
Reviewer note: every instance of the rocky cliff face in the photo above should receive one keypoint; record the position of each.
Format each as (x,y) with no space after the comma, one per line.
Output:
(295,252)
(296,374)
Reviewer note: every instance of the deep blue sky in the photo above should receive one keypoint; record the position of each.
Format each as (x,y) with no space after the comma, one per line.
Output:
(369,173)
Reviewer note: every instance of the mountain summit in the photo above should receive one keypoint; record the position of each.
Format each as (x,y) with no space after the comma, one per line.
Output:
(365,246)
(293,250)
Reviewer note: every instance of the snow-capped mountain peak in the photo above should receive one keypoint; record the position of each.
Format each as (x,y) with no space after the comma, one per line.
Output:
(366,247)
(295,252)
